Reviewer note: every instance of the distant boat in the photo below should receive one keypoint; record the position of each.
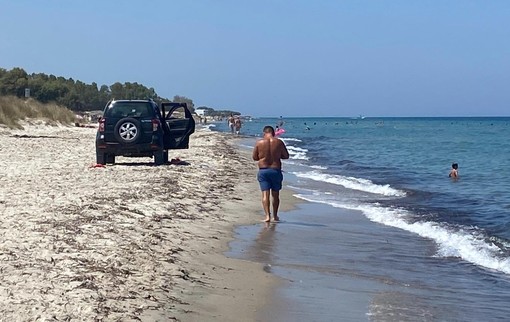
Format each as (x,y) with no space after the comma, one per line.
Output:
(360,117)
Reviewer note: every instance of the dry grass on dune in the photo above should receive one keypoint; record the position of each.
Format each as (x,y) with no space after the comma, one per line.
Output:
(13,110)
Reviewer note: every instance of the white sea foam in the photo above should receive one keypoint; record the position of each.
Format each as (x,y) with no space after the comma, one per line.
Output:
(319,167)
(296,149)
(297,153)
(352,183)
(298,156)
(207,127)
(290,140)
(467,245)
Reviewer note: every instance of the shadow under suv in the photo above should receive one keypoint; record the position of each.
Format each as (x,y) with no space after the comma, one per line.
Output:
(140,128)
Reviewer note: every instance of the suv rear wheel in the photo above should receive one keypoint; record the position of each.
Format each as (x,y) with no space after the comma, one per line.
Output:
(110,158)
(128,130)
(104,158)
(101,158)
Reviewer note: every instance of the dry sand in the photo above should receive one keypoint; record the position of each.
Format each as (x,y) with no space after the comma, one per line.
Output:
(128,242)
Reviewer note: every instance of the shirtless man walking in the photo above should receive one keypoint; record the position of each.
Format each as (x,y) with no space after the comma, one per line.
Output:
(269,151)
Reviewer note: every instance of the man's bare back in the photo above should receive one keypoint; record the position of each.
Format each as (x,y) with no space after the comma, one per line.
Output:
(269,151)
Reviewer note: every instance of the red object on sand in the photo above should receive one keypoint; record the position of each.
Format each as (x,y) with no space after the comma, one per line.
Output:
(175,161)
(98,165)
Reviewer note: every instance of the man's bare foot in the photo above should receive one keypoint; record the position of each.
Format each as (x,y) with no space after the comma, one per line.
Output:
(268,219)
(276,218)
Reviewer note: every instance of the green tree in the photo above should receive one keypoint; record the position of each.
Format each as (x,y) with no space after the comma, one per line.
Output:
(52,91)
(104,95)
(117,91)
(75,95)
(14,82)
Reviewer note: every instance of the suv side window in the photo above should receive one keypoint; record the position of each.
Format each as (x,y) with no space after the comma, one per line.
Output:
(129,109)
(178,113)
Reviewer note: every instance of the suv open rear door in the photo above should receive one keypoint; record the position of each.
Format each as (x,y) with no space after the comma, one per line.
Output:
(180,125)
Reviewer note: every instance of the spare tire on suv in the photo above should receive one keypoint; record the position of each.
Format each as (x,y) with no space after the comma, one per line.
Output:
(128,130)
(140,128)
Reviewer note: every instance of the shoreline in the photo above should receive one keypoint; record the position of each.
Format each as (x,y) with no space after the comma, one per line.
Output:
(129,241)
(239,288)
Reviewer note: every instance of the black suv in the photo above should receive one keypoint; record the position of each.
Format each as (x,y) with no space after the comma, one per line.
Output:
(139,128)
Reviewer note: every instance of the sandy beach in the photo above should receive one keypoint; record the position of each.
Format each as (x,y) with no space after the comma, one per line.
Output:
(127,242)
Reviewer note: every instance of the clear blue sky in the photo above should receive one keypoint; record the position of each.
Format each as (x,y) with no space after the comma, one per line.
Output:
(274,57)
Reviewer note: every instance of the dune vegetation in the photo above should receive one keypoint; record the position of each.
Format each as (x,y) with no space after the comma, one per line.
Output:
(13,110)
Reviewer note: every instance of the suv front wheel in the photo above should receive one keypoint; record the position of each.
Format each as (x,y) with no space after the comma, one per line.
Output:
(128,130)
(160,156)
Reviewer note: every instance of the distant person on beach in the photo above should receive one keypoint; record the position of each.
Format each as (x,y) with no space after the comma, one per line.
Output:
(269,151)
(237,125)
(454,171)
(231,123)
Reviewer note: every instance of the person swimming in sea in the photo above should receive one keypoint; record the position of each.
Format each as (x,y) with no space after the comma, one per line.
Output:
(454,173)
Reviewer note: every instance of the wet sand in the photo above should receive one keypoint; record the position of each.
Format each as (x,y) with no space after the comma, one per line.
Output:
(130,241)
(314,286)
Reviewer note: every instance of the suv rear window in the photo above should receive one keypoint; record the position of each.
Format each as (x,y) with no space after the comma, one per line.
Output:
(129,109)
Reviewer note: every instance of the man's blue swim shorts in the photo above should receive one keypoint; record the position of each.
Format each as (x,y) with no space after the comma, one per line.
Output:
(270,179)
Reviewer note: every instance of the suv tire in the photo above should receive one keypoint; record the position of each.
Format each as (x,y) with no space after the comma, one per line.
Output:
(101,158)
(159,157)
(110,158)
(128,130)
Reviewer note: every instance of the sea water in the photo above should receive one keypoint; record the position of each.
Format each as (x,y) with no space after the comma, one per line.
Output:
(384,212)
